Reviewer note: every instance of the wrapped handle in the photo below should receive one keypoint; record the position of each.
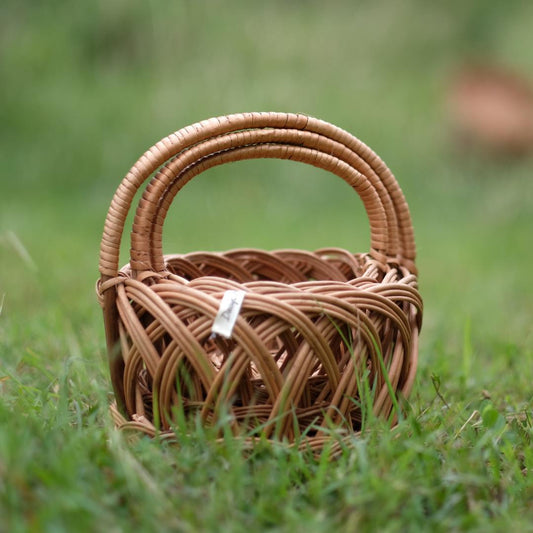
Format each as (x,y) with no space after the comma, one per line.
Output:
(196,148)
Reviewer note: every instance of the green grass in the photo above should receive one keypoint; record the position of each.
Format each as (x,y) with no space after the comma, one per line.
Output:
(87,88)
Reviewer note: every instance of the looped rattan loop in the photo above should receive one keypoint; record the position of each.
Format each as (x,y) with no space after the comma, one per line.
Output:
(286,144)
(348,149)
(146,251)
(317,332)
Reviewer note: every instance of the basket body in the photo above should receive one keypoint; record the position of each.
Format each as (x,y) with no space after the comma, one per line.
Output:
(316,332)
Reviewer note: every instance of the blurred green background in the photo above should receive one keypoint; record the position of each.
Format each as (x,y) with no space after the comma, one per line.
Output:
(87,87)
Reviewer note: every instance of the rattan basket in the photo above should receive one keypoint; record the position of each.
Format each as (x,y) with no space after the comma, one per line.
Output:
(314,330)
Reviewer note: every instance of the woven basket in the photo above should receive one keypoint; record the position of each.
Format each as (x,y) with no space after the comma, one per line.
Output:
(315,329)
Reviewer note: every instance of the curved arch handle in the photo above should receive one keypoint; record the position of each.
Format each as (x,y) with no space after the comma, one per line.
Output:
(281,135)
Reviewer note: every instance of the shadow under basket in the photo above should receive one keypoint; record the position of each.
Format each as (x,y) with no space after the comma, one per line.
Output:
(321,339)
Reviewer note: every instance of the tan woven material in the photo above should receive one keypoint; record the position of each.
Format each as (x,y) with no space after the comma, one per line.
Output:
(314,327)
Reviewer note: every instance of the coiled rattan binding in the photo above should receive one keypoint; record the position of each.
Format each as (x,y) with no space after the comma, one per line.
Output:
(314,327)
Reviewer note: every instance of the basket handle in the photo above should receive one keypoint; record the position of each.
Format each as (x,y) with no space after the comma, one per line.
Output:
(220,140)
(147,252)
(297,145)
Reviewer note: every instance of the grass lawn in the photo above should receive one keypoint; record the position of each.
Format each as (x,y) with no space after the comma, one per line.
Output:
(87,88)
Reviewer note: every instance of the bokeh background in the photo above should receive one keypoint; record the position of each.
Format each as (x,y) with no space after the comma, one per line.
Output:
(87,87)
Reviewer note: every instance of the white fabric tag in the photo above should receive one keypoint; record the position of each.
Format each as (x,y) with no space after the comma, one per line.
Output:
(228,313)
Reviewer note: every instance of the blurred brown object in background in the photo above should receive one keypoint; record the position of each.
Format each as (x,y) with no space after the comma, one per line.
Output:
(491,108)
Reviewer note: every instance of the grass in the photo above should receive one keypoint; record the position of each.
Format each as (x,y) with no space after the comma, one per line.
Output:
(85,90)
